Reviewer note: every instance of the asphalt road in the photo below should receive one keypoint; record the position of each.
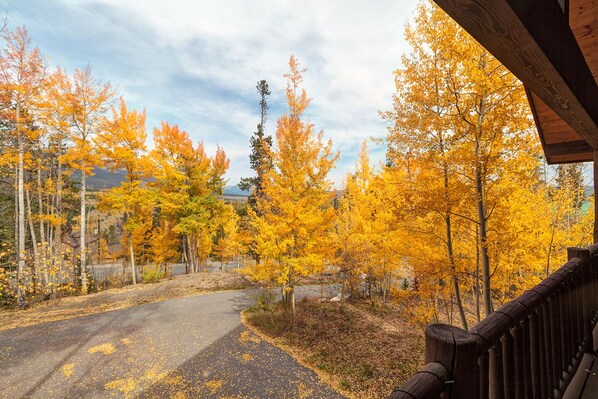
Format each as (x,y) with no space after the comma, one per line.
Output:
(183,348)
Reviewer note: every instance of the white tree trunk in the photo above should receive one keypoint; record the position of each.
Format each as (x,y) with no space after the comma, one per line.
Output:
(43,259)
(132,254)
(40,202)
(58,232)
(293,308)
(82,269)
(16,194)
(36,262)
(21,199)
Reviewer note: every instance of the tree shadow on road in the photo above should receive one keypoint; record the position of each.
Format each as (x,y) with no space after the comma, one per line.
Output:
(57,343)
(240,364)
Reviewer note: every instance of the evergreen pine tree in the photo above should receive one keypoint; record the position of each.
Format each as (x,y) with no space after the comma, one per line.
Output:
(260,158)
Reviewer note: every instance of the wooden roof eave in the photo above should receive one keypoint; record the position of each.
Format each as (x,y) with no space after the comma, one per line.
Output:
(569,149)
(532,38)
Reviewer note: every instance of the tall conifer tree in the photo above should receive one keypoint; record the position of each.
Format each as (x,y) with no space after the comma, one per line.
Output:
(260,158)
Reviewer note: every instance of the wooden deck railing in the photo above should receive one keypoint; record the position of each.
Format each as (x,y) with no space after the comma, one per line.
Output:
(529,348)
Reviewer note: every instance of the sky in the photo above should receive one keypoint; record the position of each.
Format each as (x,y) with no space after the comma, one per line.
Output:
(196,62)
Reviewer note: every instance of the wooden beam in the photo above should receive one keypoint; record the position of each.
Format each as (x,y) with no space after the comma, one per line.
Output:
(565,159)
(567,148)
(532,38)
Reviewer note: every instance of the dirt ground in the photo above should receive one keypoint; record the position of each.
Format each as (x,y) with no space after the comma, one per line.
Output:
(118,298)
(363,351)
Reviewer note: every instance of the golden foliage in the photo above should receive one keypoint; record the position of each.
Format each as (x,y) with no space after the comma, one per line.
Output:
(293,231)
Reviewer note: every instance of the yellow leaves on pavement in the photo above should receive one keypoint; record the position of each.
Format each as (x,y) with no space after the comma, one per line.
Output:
(246,357)
(68,369)
(124,385)
(129,385)
(214,385)
(106,349)
(246,336)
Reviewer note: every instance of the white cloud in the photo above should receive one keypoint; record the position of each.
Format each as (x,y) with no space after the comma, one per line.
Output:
(196,62)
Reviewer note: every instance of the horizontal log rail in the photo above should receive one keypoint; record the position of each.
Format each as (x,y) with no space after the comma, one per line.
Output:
(427,383)
(529,348)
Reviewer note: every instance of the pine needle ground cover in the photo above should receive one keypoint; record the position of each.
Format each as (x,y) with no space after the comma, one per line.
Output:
(362,350)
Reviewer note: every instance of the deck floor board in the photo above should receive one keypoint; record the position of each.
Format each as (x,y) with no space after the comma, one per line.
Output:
(584,384)
(590,387)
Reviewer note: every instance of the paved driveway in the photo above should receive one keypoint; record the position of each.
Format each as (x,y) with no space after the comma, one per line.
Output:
(183,348)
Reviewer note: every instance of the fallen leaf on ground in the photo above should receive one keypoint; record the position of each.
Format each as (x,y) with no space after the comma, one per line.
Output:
(68,369)
(214,385)
(106,349)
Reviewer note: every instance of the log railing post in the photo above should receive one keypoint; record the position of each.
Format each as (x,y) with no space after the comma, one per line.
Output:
(585,288)
(456,349)
(529,347)
(594,283)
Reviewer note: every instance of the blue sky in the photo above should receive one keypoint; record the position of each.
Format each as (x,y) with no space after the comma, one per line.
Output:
(196,63)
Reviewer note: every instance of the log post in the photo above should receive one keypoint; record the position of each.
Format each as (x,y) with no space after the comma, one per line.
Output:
(595,168)
(594,280)
(455,349)
(577,252)
(586,295)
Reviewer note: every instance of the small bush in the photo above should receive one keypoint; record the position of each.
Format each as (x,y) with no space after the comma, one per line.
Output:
(274,322)
(264,299)
(152,274)
(268,314)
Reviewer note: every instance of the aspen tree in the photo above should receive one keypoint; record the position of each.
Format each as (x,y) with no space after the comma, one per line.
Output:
(293,232)
(188,183)
(122,146)
(57,120)
(464,121)
(423,129)
(22,75)
(88,101)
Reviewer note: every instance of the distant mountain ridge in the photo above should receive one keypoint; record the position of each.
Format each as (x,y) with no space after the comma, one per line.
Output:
(103,179)
(235,190)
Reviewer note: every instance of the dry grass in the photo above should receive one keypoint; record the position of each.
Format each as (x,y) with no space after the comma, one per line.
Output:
(119,298)
(361,350)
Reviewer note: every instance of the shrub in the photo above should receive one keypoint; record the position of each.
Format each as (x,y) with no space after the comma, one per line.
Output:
(152,274)
(264,299)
